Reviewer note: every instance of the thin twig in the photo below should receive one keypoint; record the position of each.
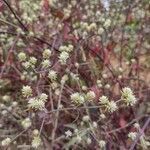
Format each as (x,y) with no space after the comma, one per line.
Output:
(57,115)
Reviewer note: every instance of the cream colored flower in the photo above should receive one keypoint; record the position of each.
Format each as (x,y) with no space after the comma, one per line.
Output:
(6,142)
(26,123)
(46,53)
(22,56)
(111,106)
(52,75)
(103,100)
(132,135)
(26,91)
(43,97)
(63,57)
(102,143)
(46,63)
(128,96)
(77,98)
(68,133)
(90,95)
(36,104)
(36,142)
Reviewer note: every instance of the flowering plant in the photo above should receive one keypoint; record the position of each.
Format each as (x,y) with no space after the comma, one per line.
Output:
(74,74)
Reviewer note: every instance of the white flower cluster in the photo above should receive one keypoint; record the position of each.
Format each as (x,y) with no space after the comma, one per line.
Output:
(86,118)
(6,142)
(68,48)
(27,63)
(26,123)
(38,103)
(46,53)
(52,75)
(26,91)
(103,100)
(64,79)
(88,27)
(111,106)
(102,143)
(77,98)
(46,63)
(132,135)
(32,61)
(128,97)
(90,95)
(64,55)
(36,142)
(68,133)
(100,30)
(107,23)
(22,56)
(99,83)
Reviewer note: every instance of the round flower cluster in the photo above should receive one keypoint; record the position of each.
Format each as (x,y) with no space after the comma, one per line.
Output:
(38,103)
(52,75)
(22,56)
(68,133)
(36,142)
(26,123)
(30,63)
(128,96)
(68,48)
(64,55)
(132,135)
(26,91)
(77,98)
(46,63)
(111,106)
(6,142)
(90,95)
(102,143)
(46,53)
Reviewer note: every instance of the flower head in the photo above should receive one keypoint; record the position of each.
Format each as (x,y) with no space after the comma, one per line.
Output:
(22,56)
(46,53)
(132,135)
(90,95)
(52,75)
(63,57)
(77,98)
(26,123)
(86,118)
(46,63)
(107,23)
(43,97)
(26,91)
(103,100)
(111,106)
(36,142)
(102,143)
(33,60)
(36,104)
(128,96)
(68,133)
(6,142)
